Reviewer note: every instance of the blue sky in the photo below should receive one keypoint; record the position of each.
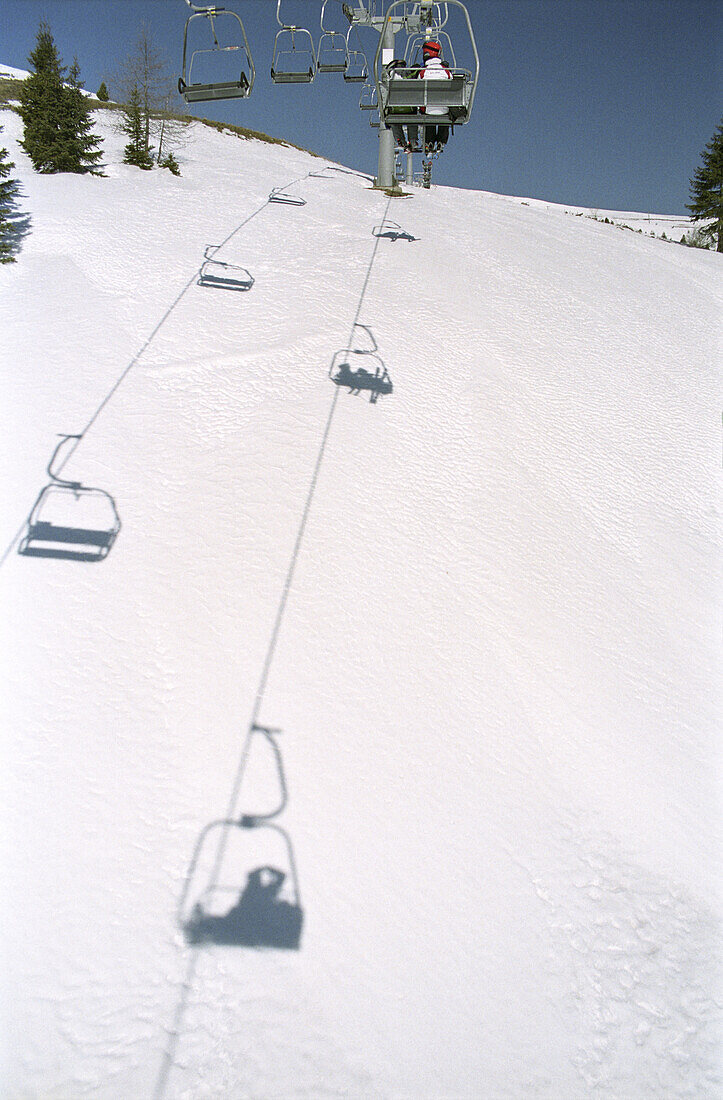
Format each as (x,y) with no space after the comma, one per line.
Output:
(600,103)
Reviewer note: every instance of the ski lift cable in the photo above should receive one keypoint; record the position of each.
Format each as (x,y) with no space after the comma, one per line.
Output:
(302,527)
(78,437)
(232,811)
(113,390)
(276,630)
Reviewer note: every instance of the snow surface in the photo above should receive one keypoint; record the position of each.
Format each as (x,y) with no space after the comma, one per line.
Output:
(8,71)
(493,661)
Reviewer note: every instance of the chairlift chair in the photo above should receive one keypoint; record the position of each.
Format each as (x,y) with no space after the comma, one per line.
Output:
(294,56)
(368,97)
(404,99)
(70,520)
(223,25)
(331,53)
(223,275)
(357,66)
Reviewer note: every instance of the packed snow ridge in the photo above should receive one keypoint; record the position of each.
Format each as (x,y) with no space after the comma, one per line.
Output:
(481,608)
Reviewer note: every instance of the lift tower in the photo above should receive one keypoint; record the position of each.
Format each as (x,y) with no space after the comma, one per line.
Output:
(360,15)
(402,99)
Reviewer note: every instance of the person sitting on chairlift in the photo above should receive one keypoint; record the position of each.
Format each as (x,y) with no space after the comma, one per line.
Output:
(407,141)
(434,69)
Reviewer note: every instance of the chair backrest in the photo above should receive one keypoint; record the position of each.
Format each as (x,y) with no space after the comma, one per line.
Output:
(423,93)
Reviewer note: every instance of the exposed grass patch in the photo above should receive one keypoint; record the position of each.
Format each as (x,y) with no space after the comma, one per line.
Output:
(245,133)
(9,89)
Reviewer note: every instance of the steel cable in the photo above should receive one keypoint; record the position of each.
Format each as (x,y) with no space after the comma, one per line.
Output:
(232,811)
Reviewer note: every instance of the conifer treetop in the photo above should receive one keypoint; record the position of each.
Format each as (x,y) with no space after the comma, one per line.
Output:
(706,189)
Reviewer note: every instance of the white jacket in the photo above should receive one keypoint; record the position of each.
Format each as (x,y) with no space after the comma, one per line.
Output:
(435,70)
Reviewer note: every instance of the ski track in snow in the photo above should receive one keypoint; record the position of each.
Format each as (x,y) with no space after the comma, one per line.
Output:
(494,672)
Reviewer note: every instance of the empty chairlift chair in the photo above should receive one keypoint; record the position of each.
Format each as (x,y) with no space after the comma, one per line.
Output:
(357,67)
(368,97)
(294,56)
(70,520)
(331,54)
(404,99)
(217,62)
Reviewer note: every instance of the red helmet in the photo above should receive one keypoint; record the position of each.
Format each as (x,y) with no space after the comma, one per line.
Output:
(431,49)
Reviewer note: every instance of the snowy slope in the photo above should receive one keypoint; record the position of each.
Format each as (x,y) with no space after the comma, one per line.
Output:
(13,74)
(493,662)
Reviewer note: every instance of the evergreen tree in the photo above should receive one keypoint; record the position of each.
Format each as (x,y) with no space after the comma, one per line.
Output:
(40,96)
(102,93)
(171,164)
(706,190)
(8,191)
(56,116)
(136,151)
(80,151)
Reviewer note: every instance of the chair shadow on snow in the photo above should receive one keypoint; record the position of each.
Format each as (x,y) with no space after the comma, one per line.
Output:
(259,918)
(242,886)
(377,384)
(69,520)
(346,367)
(221,274)
(392,231)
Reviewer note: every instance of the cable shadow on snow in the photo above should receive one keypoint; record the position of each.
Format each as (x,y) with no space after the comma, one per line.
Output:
(176,1029)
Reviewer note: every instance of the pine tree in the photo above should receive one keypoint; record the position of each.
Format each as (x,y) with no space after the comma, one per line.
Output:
(40,97)
(136,151)
(102,93)
(8,191)
(171,164)
(80,151)
(706,190)
(55,115)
